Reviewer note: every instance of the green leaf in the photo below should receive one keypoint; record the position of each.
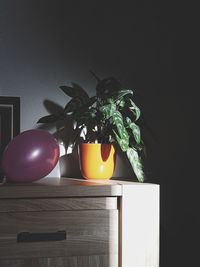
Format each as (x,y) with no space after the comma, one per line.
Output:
(76,103)
(121,103)
(74,91)
(122,136)
(50,118)
(136,163)
(135,130)
(122,142)
(121,93)
(73,104)
(108,110)
(118,121)
(135,109)
(85,117)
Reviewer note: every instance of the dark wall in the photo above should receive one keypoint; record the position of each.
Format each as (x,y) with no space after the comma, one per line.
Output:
(44,44)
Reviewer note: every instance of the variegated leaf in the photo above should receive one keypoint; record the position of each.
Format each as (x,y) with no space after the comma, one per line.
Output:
(121,93)
(135,130)
(136,163)
(118,121)
(121,103)
(122,135)
(108,110)
(122,142)
(135,110)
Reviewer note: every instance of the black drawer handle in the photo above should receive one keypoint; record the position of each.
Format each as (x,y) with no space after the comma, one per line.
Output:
(38,237)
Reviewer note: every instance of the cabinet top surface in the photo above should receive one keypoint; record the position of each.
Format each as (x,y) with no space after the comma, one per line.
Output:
(65,187)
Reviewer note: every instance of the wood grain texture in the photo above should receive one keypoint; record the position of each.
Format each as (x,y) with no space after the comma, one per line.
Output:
(55,187)
(76,261)
(57,204)
(91,232)
(98,261)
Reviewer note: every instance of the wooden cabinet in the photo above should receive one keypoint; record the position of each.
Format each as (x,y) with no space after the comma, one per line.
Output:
(79,223)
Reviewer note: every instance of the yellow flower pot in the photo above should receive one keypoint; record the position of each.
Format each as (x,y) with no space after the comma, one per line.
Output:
(97,161)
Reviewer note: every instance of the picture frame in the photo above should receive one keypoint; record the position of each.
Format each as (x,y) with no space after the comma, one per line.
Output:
(9,122)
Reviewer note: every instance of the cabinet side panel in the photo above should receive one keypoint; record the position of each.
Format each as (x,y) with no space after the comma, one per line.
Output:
(140,226)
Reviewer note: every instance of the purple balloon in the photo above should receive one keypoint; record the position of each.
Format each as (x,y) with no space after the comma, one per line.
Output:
(30,156)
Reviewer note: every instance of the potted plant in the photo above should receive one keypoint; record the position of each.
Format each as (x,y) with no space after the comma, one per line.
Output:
(107,119)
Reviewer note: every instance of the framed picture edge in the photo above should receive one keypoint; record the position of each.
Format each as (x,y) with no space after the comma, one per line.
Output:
(15,102)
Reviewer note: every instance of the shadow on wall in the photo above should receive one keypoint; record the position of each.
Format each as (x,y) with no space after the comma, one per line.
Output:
(63,132)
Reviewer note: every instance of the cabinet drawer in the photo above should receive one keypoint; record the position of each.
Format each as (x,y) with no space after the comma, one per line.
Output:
(75,261)
(58,204)
(87,232)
